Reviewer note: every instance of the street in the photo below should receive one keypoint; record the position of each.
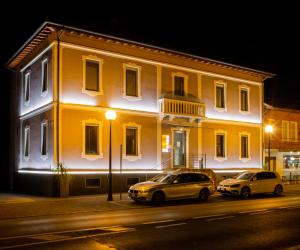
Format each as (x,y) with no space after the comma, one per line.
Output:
(262,222)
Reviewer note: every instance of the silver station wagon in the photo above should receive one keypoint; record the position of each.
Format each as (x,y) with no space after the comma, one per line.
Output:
(173,186)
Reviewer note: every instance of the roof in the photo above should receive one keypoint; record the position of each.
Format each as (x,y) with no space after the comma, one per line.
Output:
(48,28)
(270,107)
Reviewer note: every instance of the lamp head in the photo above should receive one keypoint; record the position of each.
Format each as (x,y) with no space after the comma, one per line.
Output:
(268,128)
(110,115)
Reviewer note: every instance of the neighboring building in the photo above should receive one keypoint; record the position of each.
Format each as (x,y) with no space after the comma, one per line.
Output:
(173,110)
(284,141)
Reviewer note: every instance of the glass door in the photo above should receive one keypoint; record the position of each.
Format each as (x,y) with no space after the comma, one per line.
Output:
(179,147)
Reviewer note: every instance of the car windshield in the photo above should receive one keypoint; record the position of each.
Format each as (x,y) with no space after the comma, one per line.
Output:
(163,178)
(245,176)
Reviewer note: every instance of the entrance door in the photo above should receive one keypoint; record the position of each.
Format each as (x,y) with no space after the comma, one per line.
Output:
(272,163)
(179,147)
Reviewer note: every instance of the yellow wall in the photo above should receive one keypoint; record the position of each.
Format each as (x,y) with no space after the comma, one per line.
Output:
(72,140)
(232,161)
(72,83)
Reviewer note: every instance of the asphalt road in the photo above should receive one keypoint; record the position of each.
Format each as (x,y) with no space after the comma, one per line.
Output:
(262,222)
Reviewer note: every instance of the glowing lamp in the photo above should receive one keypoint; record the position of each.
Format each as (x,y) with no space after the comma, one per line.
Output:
(269,129)
(110,115)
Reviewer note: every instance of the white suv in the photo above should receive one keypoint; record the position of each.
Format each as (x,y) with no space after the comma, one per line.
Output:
(252,182)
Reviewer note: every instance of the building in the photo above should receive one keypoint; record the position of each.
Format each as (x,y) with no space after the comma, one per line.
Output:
(173,110)
(284,142)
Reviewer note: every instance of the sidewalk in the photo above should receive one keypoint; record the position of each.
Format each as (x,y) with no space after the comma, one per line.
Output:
(20,206)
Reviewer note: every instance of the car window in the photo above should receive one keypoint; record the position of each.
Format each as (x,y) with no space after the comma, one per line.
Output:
(271,175)
(261,176)
(195,177)
(183,178)
(245,176)
(163,178)
(204,177)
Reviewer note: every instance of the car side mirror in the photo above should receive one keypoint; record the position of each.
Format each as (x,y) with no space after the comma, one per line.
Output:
(175,181)
(253,178)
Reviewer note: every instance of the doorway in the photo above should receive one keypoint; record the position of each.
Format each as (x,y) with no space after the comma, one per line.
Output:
(272,163)
(179,148)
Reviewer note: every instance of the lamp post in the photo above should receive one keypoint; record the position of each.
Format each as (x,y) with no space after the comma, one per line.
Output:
(110,115)
(269,131)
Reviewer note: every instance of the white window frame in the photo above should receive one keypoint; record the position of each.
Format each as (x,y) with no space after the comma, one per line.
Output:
(244,87)
(100,76)
(139,155)
(26,86)
(185,81)
(287,130)
(44,93)
(240,146)
(44,123)
(296,131)
(26,131)
(218,158)
(139,85)
(92,122)
(224,84)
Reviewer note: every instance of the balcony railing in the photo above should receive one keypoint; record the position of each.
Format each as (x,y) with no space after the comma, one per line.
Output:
(181,108)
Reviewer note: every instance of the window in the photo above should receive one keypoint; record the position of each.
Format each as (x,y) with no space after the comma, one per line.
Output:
(289,131)
(92,183)
(244,99)
(293,131)
(132,180)
(220,95)
(92,75)
(26,93)
(261,176)
(183,178)
(44,76)
(26,142)
(270,175)
(203,177)
(132,82)
(285,130)
(179,85)
(132,141)
(220,145)
(44,126)
(92,140)
(244,146)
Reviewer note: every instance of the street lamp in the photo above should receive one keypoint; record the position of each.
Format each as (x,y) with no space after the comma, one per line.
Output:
(110,115)
(269,131)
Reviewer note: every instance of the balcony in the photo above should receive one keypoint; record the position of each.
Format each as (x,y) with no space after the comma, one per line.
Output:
(181,108)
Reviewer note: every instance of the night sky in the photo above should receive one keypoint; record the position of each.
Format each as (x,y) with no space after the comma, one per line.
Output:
(263,37)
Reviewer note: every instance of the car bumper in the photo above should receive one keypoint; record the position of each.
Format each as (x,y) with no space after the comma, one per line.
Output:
(139,196)
(228,190)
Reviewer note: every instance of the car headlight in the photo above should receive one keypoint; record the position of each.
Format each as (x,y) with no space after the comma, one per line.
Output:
(235,185)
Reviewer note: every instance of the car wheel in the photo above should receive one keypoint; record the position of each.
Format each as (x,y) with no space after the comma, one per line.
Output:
(158,197)
(278,190)
(245,193)
(204,194)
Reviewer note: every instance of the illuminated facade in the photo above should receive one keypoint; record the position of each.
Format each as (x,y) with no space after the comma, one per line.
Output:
(173,110)
(284,141)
